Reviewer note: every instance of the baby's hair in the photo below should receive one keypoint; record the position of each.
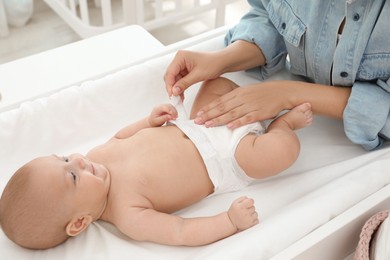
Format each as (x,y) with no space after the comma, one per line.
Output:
(28,215)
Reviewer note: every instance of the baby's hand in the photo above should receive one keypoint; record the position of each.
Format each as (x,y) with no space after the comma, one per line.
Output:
(161,114)
(242,213)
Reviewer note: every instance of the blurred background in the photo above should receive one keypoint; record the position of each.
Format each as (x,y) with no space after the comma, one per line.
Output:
(44,29)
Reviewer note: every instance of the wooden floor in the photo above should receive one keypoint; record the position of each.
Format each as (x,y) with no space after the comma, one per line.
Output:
(46,30)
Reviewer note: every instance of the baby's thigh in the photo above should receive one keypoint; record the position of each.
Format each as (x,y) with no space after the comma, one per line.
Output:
(209,91)
(257,156)
(244,153)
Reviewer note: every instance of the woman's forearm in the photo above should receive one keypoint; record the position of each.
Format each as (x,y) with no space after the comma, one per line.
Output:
(325,100)
(240,55)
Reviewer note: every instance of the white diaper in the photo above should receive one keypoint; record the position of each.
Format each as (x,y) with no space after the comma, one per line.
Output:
(178,104)
(217,146)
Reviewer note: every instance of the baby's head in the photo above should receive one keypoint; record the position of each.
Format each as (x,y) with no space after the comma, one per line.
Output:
(52,198)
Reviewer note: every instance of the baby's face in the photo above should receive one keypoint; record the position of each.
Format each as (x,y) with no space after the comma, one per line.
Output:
(83,185)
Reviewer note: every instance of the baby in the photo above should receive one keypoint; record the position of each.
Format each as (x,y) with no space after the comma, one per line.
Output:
(148,170)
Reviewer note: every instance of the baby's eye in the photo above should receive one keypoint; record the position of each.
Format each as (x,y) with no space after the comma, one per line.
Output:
(73,176)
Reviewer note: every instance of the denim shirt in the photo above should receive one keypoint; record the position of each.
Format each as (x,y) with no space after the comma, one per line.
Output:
(307,30)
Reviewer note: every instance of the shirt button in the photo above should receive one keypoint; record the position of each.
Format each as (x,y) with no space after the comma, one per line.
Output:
(344,74)
(283,26)
(356,17)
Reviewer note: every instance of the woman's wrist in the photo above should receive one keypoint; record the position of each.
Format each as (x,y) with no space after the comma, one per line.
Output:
(292,94)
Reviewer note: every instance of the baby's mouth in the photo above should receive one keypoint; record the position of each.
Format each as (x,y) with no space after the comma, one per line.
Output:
(92,169)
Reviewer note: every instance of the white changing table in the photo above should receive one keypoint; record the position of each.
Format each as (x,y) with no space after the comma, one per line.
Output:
(71,64)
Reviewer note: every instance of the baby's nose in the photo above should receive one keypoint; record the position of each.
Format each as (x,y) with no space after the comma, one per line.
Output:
(79,161)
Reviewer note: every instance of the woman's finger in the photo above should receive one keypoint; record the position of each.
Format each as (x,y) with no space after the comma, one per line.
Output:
(217,108)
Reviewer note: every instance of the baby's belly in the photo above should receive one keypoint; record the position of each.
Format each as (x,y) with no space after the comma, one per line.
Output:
(179,177)
(164,166)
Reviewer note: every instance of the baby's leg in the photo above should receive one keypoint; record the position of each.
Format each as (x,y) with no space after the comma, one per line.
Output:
(269,154)
(209,91)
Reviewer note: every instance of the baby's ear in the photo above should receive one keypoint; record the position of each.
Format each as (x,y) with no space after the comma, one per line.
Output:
(78,224)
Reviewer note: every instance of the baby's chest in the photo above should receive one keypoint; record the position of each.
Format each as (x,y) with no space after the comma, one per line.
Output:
(165,189)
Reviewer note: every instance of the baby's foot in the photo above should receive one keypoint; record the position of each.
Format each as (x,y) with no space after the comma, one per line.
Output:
(298,117)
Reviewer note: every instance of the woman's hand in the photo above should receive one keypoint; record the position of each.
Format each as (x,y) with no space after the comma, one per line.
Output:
(161,114)
(188,68)
(245,105)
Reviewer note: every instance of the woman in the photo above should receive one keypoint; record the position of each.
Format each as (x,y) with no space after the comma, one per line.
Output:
(341,47)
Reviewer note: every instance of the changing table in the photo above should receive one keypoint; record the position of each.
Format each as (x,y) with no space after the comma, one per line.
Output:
(49,71)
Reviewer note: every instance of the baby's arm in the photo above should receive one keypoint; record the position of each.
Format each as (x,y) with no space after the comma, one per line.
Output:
(145,224)
(159,115)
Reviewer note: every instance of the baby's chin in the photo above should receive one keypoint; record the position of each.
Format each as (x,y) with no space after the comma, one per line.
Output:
(101,171)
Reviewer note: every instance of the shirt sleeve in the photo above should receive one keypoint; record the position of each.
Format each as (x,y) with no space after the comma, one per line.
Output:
(366,116)
(257,28)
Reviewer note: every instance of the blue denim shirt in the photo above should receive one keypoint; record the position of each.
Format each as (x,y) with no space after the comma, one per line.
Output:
(307,30)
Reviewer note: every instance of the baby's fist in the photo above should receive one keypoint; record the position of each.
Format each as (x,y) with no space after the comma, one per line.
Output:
(161,114)
(242,213)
